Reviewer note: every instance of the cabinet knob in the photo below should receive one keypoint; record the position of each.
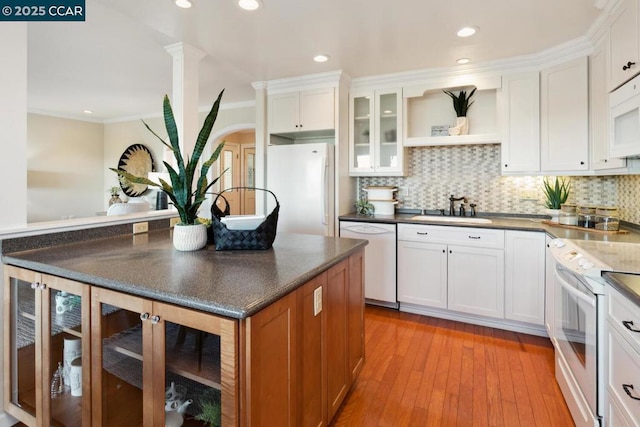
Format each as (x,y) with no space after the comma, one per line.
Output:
(155,319)
(35,285)
(144,316)
(506,166)
(582,163)
(628,66)
(42,286)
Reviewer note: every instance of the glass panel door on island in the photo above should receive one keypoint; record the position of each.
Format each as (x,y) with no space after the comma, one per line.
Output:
(121,361)
(49,351)
(191,366)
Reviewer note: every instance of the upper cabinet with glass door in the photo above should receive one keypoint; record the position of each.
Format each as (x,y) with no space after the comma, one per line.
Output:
(375,140)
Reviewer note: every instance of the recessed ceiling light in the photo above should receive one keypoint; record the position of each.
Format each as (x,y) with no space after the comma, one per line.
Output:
(249,4)
(88,112)
(321,58)
(467,31)
(463,61)
(185,4)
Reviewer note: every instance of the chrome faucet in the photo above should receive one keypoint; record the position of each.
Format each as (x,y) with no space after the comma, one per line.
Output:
(452,200)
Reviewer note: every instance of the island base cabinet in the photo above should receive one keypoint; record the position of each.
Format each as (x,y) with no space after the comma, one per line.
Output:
(303,352)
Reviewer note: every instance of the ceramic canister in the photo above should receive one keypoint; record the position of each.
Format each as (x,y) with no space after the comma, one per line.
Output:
(72,350)
(75,377)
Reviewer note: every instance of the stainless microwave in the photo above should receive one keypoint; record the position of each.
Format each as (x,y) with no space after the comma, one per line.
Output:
(624,107)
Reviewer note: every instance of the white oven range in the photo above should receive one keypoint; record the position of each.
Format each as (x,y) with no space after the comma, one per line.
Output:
(579,331)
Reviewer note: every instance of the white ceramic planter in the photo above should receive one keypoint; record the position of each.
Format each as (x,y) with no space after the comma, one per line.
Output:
(554,213)
(189,237)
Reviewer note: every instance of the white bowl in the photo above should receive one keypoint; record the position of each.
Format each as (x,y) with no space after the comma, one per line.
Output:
(380,193)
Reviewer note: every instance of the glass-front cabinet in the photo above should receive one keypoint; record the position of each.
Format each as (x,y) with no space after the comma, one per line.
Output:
(47,349)
(158,364)
(376,133)
(77,355)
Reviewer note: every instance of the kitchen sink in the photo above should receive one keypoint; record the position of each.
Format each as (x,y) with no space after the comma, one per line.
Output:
(467,220)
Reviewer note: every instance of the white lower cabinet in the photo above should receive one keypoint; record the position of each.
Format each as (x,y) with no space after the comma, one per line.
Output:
(488,276)
(525,276)
(422,273)
(455,268)
(623,360)
(476,280)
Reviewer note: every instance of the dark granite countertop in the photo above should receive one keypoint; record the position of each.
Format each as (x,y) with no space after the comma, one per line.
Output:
(627,284)
(234,284)
(504,223)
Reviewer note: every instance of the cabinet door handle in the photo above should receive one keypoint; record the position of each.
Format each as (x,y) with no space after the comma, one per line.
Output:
(506,166)
(155,319)
(627,388)
(628,66)
(474,237)
(582,163)
(421,233)
(144,316)
(35,285)
(629,325)
(43,286)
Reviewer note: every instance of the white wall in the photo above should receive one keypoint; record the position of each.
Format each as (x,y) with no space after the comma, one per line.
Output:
(64,159)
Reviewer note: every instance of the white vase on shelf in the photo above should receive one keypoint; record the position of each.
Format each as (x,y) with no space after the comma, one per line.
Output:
(461,127)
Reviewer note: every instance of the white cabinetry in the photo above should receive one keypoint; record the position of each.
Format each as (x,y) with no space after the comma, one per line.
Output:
(422,273)
(308,110)
(521,114)
(599,110)
(624,45)
(525,276)
(375,139)
(457,268)
(623,385)
(476,279)
(564,130)
(549,293)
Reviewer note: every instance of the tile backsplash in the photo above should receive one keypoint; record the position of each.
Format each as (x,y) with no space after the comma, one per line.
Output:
(474,171)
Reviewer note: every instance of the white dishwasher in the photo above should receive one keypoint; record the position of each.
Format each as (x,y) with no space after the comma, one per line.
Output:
(379,259)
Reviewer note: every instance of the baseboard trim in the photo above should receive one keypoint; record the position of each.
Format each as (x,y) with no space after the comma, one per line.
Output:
(508,325)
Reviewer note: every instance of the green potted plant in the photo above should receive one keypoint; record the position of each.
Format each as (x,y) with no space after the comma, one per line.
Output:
(189,234)
(461,104)
(556,194)
(115,195)
(363,207)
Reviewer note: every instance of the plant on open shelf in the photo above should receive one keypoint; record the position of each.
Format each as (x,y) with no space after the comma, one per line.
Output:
(461,103)
(185,197)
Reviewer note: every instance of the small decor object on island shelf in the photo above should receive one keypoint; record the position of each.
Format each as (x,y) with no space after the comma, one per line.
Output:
(556,195)
(185,197)
(461,104)
(440,130)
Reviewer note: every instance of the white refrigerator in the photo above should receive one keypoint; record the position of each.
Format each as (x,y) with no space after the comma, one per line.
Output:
(302,177)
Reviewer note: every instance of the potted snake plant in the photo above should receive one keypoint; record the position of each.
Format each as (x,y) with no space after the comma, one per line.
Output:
(461,104)
(190,233)
(556,194)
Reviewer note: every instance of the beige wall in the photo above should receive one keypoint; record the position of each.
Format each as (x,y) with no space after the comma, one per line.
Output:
(64,159)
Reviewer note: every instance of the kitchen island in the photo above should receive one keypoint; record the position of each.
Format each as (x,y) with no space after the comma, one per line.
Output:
(276,336)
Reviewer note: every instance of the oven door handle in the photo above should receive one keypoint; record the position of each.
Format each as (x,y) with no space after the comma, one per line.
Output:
(591,300)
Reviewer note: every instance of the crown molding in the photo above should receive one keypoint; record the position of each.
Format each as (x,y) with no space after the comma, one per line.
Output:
(309,81)
(78,118)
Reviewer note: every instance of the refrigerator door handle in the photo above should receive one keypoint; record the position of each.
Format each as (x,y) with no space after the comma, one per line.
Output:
(323,191)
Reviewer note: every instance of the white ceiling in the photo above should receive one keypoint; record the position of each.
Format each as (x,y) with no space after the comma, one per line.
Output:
(115,63)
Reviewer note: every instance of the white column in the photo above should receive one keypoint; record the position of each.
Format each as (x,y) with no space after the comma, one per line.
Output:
(13,122)
(184,99)
(261,144)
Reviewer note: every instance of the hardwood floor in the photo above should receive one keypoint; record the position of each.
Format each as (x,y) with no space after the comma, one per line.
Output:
(423,371)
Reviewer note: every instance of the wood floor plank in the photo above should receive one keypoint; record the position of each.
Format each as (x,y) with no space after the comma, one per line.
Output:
(422,371)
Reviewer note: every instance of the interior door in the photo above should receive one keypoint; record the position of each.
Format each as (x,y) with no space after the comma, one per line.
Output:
(248,180)
(230,163)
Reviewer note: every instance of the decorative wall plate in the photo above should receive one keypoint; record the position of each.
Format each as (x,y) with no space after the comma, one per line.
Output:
(138,161)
